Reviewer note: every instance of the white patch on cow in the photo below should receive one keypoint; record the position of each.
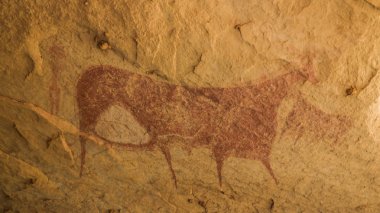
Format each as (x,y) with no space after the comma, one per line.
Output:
(119,125)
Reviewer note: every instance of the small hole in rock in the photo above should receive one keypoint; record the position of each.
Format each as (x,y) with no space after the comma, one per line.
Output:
(271,204)
(201,203)
(104,45)
(31,181)
(349,91)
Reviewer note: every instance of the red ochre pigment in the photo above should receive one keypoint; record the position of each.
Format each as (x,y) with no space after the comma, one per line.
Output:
(232,122)
(57,56)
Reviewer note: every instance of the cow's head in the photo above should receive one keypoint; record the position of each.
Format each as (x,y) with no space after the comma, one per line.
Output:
(303,71)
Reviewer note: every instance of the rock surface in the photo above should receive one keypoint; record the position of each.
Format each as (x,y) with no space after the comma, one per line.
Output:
(190,106)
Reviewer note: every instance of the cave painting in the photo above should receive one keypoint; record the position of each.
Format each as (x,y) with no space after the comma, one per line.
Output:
(232,122)
(56,61)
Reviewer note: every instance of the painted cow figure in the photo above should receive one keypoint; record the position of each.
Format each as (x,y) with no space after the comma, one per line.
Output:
(232,122)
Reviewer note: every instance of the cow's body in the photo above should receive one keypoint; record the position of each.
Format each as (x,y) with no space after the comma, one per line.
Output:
(237,121)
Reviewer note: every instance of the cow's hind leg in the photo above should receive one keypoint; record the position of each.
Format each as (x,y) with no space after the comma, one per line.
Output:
(86,127)
(82,154)
(220,155)
(83,148)
(165,150)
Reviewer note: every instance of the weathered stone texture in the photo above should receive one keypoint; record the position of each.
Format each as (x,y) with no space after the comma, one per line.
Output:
(190,106)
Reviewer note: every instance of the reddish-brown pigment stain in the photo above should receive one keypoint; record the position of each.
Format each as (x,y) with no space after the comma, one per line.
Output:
(57,55)
(233,122)
(307,118)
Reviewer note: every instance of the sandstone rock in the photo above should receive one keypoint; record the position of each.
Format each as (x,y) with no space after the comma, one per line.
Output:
(190,106)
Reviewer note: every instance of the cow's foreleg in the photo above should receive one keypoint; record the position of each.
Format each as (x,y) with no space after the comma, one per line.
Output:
(219,166)
(267,165)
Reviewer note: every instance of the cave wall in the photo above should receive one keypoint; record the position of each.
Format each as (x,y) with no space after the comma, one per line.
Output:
(190,106)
